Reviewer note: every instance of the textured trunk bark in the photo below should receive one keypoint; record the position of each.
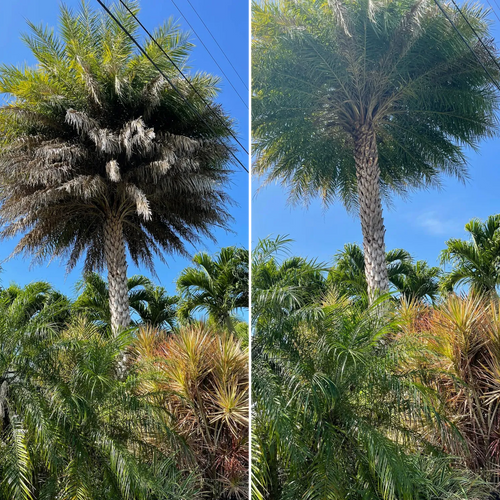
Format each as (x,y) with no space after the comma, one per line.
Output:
(114,252)
(370,209)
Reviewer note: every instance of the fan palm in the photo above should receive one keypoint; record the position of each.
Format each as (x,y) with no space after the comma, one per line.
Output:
(217,285)
(99,153)
(475,262)
(355,100)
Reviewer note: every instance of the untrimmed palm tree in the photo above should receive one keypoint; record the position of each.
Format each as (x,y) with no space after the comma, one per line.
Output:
(216,285)
(100,155)
(475,262)
(155,307)
(358,100)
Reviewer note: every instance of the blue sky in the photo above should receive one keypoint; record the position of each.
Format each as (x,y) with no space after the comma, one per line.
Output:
(228,22)
(420,224)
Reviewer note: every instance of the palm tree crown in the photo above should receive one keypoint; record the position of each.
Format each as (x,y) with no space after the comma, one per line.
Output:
(355,100)
(100,154)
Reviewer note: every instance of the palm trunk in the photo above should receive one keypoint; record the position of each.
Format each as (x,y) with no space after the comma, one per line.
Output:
(370,210)
(114,253)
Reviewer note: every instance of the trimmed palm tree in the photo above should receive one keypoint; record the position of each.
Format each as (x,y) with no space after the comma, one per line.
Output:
(100,155)
(216,285)
(475,262)
(358,100)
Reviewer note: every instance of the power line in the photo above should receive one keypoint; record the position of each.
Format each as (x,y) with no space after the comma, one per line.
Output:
(493,10)
(467,43)
(210,54)
(184,76)
(164,76)
(475,33)
(221,49)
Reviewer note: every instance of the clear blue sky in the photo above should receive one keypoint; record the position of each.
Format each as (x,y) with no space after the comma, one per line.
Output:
(228,22)
(420,224)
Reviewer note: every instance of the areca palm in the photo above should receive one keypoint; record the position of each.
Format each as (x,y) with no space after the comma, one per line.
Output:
(358,100)
(218,286)
(414,280)
(475,262)
(100,155)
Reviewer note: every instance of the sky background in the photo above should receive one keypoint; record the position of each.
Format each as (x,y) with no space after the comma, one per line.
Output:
(420,224)
(228,22)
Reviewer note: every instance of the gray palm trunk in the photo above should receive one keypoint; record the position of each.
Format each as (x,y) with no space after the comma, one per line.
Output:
(116,261)
(370,209)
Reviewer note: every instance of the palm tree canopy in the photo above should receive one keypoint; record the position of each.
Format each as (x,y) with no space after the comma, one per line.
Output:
(475,262)
(94,132)
(323,69)
(217,285)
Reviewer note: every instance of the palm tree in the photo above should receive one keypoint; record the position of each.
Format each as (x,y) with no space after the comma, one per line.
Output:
(155,307)
(217,285)
(100,155)
(334,416)
(71,429)
(93,298)
(355,100)
(412,280)
(475,262)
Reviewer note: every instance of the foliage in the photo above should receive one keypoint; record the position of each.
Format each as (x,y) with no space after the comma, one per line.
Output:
(202,376)
(216,285)
(475,262)
(413,280)
(322,68)
(69,428)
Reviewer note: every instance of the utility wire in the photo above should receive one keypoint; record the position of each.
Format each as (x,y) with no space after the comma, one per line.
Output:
(210,54)
(221,49)
(207,104)
(493,10)
(164,76)
(475,33)
(467,43)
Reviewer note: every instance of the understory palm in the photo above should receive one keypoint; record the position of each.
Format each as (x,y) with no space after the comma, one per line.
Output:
(358,100)
(100,155)
(413,280)
(475,262)
(69,427)
(216,285)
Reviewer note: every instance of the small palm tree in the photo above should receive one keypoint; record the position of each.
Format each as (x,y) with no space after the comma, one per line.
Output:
(413,280)
(355,100)
(217,285)
(100,155)
(155,307)
(69,428)
(475,262)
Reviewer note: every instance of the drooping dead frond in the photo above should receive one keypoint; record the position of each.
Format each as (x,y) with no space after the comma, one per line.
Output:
(113,171)
(140,200)
(83,123)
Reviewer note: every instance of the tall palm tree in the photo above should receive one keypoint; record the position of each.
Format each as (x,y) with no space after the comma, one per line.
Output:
(355,100)
(216,285)
(100,155)
(475,262)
